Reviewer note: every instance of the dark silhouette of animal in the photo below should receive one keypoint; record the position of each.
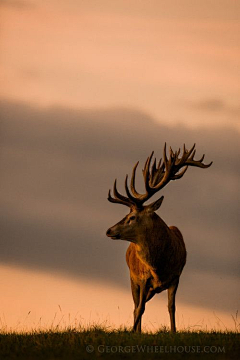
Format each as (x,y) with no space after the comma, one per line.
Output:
(156,255)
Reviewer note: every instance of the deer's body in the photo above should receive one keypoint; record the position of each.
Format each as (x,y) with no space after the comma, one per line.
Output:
(159,261)
(155,266)
(156,255)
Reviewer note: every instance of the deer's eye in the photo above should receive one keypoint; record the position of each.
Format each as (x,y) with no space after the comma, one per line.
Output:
(132,218)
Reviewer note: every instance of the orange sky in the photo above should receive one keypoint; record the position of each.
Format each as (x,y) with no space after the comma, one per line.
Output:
(34,300)
(177,61)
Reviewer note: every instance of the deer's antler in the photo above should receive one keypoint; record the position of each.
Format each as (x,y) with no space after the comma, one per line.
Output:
(157,176)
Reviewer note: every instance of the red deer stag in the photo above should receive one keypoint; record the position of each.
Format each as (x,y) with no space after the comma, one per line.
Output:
(156,254)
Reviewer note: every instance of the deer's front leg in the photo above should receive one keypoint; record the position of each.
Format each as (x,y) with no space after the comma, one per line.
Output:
(139,310)
(171,303)
(136,297)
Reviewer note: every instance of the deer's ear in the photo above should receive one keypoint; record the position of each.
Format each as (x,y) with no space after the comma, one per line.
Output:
(155,205)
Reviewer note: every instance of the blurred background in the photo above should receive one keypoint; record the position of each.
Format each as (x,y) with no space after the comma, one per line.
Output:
(88,88)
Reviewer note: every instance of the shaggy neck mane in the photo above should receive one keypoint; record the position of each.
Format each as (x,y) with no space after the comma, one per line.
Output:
(155,246)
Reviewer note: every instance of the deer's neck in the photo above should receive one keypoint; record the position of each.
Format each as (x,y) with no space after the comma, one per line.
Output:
(155,243)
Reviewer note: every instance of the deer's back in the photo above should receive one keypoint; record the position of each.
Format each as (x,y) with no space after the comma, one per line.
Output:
(176,232)
(180,249)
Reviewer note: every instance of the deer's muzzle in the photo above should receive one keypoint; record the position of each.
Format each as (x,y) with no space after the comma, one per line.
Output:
(112,235)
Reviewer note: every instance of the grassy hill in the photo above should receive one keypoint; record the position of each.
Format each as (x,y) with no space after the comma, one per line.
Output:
(99,343)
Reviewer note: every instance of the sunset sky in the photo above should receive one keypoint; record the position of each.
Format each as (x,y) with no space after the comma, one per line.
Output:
(87,89)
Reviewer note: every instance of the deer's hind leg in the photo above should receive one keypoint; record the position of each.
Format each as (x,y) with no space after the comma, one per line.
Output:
(171,303)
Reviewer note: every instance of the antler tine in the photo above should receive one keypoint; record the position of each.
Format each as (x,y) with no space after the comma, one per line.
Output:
(165,170)
(165,159)
(146,164)
(146,174)
(198,163)
(153,172)
(110,198)
(116,193)
(166,162)
(157,172)
(154,167)
(172,155)
(133,199)
(184,148)
(192,150)
(118,198)
(159,163)
(114,200)
(190,159)
(133,189)
(187,153)
(202,158)
(193,154)
(179,175)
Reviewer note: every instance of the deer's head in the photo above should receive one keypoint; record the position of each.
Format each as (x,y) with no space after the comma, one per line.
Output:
(141,218)
(136,223)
